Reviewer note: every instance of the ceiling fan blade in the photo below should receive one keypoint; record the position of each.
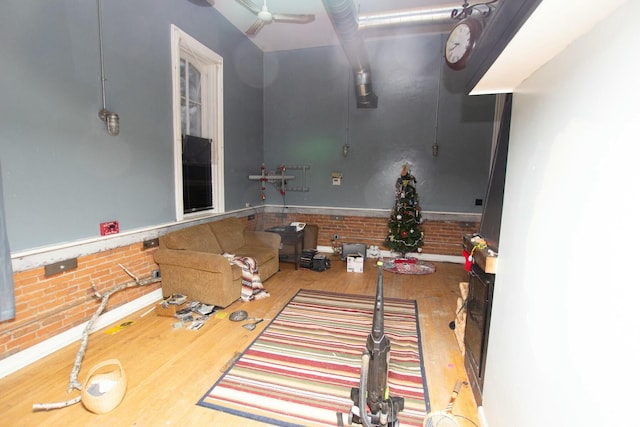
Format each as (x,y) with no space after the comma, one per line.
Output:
(250,5)
(255,27)
(295,18)
(201,3)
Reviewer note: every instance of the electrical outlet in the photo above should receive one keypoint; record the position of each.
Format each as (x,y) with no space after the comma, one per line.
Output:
(61,266)
(110,227)
(151,243)
(155,274)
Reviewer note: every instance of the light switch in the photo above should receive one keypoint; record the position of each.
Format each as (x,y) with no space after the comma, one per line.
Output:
(336,178)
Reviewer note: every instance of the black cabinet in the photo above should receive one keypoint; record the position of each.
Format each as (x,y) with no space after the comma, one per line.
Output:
(481,283)
(476,334)
(292,243)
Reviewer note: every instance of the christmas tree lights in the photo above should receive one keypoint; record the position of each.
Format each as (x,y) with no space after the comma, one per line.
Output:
(405,232)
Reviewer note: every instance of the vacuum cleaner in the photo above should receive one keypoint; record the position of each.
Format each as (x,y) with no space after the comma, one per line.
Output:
(372,404)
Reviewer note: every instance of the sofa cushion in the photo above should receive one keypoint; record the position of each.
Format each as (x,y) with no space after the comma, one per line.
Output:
(230,234)
(196,238)
(261,255)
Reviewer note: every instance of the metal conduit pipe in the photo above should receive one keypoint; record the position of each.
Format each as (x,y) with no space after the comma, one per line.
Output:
(348,24)
(344,18)
(433,16)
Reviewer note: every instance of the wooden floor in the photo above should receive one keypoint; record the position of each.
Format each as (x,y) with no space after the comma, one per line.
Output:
(170,369)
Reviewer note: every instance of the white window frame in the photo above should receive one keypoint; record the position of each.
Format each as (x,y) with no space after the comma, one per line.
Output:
(212,118)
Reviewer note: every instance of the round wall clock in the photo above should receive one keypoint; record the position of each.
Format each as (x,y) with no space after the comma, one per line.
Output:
(461,41)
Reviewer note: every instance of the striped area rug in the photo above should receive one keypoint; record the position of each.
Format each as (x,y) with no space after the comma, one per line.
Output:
(300,370)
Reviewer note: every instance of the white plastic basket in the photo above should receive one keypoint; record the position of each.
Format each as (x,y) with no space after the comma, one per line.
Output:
(103,391)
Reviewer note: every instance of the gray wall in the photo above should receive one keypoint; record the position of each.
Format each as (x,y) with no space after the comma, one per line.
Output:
(306,119)
(63,174)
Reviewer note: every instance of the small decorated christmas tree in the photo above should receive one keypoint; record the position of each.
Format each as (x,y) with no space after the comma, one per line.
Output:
(405,233)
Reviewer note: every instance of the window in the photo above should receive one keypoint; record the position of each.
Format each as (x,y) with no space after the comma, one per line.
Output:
(197,124)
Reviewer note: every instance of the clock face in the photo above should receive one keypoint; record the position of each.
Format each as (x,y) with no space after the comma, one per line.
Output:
(460,43)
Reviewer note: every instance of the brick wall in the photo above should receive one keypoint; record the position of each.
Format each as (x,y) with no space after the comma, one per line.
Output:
(47,306)
(440,237)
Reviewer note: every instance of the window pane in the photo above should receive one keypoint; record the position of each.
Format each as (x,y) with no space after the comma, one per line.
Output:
(195,123)
(183,116)
(194,84)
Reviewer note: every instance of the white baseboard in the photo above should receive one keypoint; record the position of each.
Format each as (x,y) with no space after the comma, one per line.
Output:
(425,257)
(482,417)
(19,360)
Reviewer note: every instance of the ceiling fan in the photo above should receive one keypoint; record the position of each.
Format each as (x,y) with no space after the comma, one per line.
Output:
(266,17)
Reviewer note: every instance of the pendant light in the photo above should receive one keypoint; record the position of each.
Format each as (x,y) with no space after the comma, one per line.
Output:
(435,147)
(110,118)
(345,147)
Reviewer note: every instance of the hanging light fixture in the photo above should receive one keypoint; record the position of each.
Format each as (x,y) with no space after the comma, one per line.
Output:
(435,147)
(345,147)
(110,118)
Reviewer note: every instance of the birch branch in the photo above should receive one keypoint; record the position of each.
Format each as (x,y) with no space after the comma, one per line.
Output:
(73,378)
(56,405)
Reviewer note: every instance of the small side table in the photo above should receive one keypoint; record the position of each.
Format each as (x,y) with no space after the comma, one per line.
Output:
(290,236)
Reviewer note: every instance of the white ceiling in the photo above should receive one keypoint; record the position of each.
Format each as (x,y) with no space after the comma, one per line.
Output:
(286,36)
(551,28)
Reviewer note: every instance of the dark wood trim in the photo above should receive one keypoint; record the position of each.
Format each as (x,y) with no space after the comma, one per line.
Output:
(501,26)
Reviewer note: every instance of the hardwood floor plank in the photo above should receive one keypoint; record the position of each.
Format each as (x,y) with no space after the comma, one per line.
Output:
(169,369)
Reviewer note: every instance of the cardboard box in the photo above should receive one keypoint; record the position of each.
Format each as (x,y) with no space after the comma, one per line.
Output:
(355,263)
(168,310)
(353,249)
